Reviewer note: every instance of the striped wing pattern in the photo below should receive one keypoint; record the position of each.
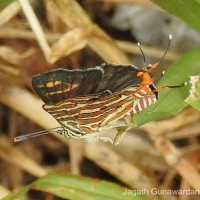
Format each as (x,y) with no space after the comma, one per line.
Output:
(85,101)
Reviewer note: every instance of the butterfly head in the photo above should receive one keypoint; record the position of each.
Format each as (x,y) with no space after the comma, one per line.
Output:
(145,74)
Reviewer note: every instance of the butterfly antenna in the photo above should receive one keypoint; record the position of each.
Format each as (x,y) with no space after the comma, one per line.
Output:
(36,134)
(144,59)
(169,43)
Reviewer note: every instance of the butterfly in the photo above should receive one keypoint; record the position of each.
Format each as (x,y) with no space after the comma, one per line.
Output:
(87,101)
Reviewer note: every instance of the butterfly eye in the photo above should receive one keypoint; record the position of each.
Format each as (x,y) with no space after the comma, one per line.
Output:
(149,66)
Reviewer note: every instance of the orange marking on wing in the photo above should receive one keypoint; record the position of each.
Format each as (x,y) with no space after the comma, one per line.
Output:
(102,110)
(40,86)
(52,83)
(95,126)
(65,90)
(120,114)
(57,83)
(87,130)
(75,85)
(94,120)
(49,84)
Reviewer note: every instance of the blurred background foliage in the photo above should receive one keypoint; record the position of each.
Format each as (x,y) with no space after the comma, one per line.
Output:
(37,36)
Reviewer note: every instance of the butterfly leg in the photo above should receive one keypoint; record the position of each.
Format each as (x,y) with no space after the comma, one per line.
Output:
(105,139)
(121,131)
(99,139)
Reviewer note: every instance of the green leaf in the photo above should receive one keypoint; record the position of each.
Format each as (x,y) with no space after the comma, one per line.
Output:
(184,9)
(194,97)
(77,188)
(17,195)
(172,101)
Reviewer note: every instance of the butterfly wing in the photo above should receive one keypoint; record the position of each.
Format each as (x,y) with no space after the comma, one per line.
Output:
(60,84)
(118,77)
